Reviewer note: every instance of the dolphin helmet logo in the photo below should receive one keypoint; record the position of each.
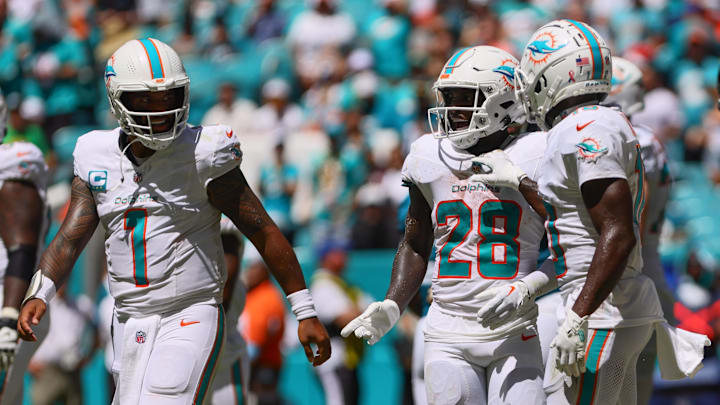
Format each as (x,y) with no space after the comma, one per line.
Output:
(507,70)
(109,72)
(542,46)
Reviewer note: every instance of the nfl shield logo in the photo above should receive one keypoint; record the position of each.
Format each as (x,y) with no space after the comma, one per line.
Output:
(137,178)
(140,337)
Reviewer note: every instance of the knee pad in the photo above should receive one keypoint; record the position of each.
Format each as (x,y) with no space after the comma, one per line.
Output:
(444,383)
(170,369)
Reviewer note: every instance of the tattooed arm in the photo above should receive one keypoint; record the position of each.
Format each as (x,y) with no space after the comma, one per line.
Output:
(58,259)
(21,217)
(231,194)
(411,259)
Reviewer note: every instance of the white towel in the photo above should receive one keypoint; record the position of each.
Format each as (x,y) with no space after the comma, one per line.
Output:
(138,338)
(680,353)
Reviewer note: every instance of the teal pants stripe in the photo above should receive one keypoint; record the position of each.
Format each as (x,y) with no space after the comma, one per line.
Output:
(212,360)
(237,382)
(588,381)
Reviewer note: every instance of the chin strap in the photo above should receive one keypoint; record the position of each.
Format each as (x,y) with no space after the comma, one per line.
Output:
(122,155)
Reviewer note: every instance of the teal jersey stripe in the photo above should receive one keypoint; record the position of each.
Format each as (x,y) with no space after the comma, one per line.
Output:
(594,48)
(237,382)
(451,62)
(592,364)
(3,376)
(212,361)
(154,57)
(554,235)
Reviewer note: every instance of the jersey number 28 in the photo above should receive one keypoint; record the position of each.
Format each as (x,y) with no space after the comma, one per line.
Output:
(498,251)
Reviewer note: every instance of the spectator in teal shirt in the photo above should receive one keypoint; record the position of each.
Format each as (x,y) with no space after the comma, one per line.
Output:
(389,31)
(278,182)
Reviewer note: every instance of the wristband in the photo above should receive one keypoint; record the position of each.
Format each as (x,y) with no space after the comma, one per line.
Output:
(9,313)
(41,287)
(301,304)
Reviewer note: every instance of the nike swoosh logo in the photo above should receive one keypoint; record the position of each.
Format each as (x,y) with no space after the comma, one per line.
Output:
(183,323)
(524,338)
(229,134)
(512,288)
(581,127)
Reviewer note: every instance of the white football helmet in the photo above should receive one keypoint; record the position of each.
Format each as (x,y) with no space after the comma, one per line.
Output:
(146,65)
(490,73)
(564,59)
(627,88)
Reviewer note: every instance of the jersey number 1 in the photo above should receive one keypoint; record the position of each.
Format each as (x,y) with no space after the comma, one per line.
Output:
(498,251)
(135,220)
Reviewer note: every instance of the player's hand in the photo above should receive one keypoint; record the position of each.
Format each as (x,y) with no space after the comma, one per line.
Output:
(568,347)
(375,322)
(30,315)
(496,169)
(502,304)
(8,336)
(310,330)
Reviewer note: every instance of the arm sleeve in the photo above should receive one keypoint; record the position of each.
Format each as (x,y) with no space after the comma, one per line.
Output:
(218,152)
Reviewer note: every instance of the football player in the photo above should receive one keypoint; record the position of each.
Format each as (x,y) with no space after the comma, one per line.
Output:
(627,94)
(23,223)
(158,187)
(591,183)
(481,343)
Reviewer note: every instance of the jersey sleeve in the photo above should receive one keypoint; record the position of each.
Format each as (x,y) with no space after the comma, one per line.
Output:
(83,150)
(22,161)
(218,152)
(600,153)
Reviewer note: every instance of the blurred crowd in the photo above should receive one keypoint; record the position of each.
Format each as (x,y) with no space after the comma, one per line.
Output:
(327,95)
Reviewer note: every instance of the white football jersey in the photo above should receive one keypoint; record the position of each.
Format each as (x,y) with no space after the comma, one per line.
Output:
(162,235)
(23,161)
(484,236)
(594,142)
(657,176)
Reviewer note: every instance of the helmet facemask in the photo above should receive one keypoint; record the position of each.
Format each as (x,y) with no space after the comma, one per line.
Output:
(140,123)
(462,113)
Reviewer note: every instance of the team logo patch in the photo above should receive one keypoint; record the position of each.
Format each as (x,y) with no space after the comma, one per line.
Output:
(590,150)
(507,70)
(24,167)
(97,180)
(542,46)
(235,151)
(140,337)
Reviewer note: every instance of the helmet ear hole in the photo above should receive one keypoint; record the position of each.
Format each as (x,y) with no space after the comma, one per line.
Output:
(538,88)
(507,104)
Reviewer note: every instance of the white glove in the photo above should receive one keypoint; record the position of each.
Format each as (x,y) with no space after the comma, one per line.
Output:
(8,336)
(568,347)
(503,303)
(375,322)
(496,169)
